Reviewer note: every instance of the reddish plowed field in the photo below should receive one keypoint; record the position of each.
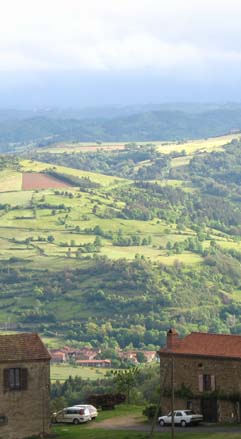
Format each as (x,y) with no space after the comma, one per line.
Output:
(35,180)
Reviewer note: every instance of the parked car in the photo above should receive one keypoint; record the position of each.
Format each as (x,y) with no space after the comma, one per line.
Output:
(93,410)
(75,415)
(181,417)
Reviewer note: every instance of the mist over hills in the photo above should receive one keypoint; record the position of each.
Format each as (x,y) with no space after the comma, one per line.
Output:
(118,124)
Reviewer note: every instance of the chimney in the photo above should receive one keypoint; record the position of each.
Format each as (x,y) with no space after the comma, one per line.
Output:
(172,338)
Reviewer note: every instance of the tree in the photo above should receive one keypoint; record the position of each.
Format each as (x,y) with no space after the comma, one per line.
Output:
(141,358)
(126,380)
(97,242)
(50,238)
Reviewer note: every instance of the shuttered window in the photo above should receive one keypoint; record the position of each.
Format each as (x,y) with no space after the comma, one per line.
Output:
(200,383)
(206,383)
(213,383)
(15,378)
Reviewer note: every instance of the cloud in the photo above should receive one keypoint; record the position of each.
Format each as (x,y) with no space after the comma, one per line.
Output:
(187,36)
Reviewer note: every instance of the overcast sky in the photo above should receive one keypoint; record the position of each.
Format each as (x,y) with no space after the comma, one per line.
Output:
(94,52)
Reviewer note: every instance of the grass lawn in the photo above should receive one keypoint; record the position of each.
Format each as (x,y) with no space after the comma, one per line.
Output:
(72,432)
(62,372)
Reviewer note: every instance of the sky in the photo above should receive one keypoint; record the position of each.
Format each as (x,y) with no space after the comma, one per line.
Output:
(80,53)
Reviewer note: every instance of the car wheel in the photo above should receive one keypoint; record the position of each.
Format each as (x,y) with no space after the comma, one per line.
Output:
(75,421)
(162,423)
(183,424)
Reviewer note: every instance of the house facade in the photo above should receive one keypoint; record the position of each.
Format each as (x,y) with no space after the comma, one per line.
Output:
(24,386)
(67,354)
(94,363)
(207,375)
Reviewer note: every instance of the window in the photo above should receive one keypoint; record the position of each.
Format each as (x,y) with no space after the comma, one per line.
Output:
(207,386)
(206,383)
(15,378)
(189,412)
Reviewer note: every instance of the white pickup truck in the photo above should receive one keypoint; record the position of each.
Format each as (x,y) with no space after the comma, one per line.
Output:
(181,417)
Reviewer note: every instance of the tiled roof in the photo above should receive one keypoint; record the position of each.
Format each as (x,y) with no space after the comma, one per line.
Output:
(203,344)
(22,347)
(57,354)
(93,361)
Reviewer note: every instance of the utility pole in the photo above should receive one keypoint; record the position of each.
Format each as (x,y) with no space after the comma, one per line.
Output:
(162,387)
(172,397)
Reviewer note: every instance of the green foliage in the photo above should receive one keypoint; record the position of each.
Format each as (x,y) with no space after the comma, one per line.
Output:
(126,380)
(150,411)
(135,162)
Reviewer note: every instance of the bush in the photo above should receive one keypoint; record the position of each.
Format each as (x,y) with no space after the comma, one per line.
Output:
(150,410)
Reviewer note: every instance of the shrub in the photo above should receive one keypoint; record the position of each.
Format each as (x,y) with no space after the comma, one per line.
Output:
(150,410)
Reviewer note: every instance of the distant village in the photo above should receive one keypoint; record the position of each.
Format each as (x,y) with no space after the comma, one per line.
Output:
(91,357)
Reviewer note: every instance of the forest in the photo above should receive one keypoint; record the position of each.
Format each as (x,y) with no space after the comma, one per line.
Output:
(19,130)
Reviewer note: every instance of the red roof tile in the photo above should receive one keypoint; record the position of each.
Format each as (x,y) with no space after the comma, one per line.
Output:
(22,347)
(93,361)
(202,344)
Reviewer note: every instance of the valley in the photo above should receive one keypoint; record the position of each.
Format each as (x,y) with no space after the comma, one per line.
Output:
(127,242)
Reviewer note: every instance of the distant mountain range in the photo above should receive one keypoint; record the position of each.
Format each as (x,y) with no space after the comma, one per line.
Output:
(123,124)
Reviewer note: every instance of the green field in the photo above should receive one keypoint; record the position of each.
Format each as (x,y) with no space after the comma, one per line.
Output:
(62,372)
(10,181)
(192,146)
(122,259)
(197,146)
(103,180)
(23,223)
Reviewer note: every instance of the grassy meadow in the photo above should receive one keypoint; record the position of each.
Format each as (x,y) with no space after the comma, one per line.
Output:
(61,372)
(22,223)
(103,180)
(78,254)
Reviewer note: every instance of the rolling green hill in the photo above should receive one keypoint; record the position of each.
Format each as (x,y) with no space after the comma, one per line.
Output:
(118,260)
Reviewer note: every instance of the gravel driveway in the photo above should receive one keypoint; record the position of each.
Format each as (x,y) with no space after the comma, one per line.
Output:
(134,422)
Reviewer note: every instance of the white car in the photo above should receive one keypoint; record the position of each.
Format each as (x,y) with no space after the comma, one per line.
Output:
(93,410)
(181,417)
(74,415)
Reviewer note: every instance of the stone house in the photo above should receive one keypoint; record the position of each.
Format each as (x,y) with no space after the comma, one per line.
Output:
(24,386)
(207,375)
(67,354)
(150,356)
(94,363)
(57,356)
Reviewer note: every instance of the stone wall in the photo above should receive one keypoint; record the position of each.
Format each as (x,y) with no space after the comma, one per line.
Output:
(187,372)
(227,411)
(27,411)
